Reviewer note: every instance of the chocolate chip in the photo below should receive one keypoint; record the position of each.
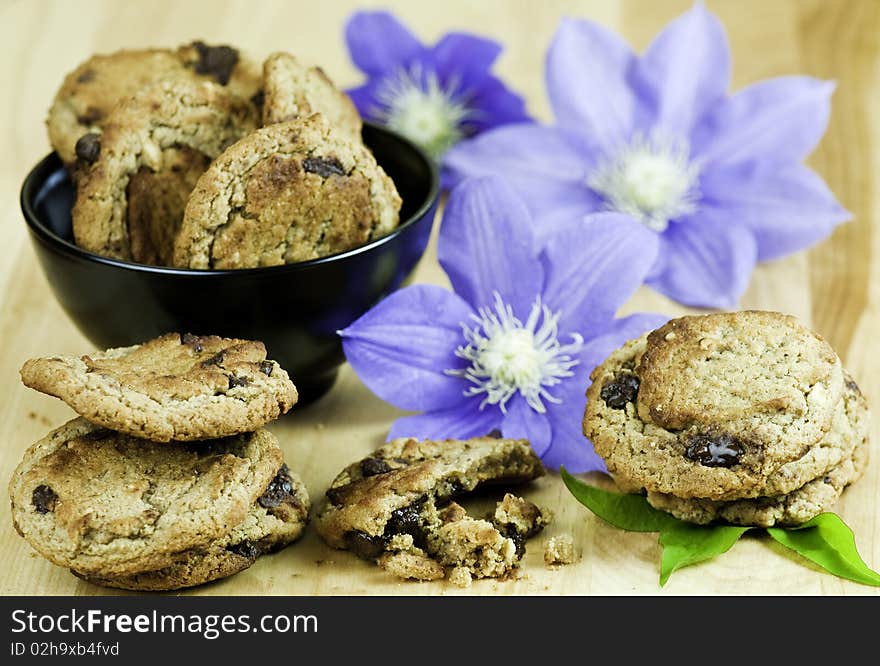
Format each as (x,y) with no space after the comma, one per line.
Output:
(245,549)
(618,391)
(266,367)
(363,545)
(280,488)
(88,147)
(235,380)
(407,520)
(217,61)
(43,499)
(86,76)
(494,434)
(374,466)
(216,359)
(90,117)
(827,479)
(258,98)
(191,341)
(323,166)
(714,450)
(519,540)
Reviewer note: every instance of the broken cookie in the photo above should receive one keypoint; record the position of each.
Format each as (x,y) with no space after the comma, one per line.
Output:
(396,508)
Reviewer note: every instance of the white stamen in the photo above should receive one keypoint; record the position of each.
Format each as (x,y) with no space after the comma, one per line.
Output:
(507,355)
(654,180)
(419,107)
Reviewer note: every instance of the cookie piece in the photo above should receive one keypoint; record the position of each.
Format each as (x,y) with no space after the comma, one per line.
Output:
(277,519)
(289,192)
(711,406)
(90,92)
(394,507)
(291,91)
(815,494)
(141,169)
(108,504)
(174,387)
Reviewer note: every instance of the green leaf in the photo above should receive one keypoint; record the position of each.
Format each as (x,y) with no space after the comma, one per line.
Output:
(829,542)
(685,544)
(628,512)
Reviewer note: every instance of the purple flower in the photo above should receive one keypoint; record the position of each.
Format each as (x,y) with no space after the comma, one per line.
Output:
(513,347)
(656,138)
(435,95)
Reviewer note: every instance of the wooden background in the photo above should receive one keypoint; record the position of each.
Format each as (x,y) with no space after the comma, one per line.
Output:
(834,287)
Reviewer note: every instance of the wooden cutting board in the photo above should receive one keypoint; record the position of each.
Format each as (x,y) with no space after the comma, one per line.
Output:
(834,287)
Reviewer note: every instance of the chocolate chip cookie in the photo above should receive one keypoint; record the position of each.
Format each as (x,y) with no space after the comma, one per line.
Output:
(291,91)
(396,507)
(798,492)
(175,387)
(110,505)
(135,177)
(713,406)
(288,192)
(276,519)
(88,94)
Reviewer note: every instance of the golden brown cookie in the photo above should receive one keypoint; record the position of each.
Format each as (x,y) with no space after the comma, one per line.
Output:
(394,507)
(713,406)
(89,93)
(108,504)
(135,177)
(276,519)
(289,192)
(175,387)
(291,91)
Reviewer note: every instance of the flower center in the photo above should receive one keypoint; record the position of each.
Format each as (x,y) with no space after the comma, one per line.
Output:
(419,107)
(508,356)
(654,180)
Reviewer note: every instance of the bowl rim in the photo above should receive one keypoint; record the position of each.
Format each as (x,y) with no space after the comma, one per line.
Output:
(27,198)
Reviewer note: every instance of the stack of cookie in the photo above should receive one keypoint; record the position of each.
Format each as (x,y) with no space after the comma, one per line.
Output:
(744,417)
(168,479)
(172,167)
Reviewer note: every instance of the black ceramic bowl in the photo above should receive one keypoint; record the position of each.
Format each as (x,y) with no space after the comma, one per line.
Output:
(294,309)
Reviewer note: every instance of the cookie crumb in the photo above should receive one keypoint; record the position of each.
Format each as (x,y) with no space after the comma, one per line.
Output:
(460,577)
(411,564)
(560,550)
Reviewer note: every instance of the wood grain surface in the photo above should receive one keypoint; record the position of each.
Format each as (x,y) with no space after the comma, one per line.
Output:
(834,287)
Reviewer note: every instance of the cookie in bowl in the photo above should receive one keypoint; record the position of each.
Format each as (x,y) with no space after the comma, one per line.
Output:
(286,193)
(135,177)
(291,90)
(88,94)
(747,417)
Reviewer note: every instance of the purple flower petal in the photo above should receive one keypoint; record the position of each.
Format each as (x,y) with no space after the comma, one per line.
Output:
(685,71)
(568,445)
(460,421)
(401,347)
(364,98)
(479,213)
(464,60)
(378,43)
(523,422)
(787,208)
(593,266)
(493,104)
(780,120)
(543,164)
(587,69)
(708,261)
